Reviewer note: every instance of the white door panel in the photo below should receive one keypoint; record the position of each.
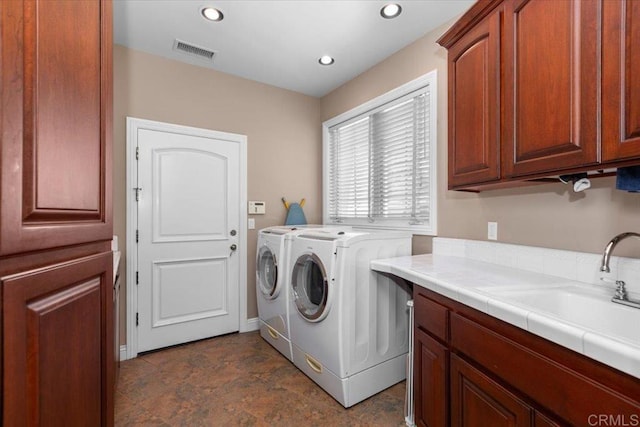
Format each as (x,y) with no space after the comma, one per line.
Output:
(187,209)
(184,211)
(173,279)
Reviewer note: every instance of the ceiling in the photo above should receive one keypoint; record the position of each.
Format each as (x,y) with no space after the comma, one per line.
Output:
(278,42)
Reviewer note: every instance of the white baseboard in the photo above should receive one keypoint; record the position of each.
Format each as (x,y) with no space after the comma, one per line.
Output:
(123,352)
(252,325)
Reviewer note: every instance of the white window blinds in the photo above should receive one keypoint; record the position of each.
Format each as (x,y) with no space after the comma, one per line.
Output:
(379,165)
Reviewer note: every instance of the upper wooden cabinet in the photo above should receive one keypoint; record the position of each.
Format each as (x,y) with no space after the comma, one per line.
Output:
(474,104)
(550,86)
(620,80)
(56,119)
(566,98)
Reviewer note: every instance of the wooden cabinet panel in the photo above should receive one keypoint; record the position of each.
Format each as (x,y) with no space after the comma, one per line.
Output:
(430,379)
(620,80)
(431,316)
(550,85)
(57,326)
(474,104)
(56,79)
(561,389)
(476,400)
(500,374)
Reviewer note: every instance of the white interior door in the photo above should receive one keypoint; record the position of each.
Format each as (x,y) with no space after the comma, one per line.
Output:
(188,235)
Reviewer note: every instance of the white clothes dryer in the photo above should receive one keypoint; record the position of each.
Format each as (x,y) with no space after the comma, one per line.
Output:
(349,324)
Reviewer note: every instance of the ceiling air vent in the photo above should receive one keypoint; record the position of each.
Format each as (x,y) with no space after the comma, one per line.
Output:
(193,50)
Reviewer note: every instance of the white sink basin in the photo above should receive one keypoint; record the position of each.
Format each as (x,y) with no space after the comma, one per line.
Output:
(581,306)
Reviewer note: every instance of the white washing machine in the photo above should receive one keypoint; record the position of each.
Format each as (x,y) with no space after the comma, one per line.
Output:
(272,279)
(349,325)
(272,283)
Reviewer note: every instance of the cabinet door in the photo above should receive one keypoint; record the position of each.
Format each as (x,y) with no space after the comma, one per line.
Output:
(620,80)
(476,400)
(550,85)
(430,379)
(58,340)
(474,105)
(55,123)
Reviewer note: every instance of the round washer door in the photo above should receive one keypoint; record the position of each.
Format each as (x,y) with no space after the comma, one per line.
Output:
(267,272)
(310,287)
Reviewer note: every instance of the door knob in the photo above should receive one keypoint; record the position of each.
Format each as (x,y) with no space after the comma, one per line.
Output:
(233,247)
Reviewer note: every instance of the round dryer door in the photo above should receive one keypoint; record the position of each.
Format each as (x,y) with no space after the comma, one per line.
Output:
(267,272)
(310,287)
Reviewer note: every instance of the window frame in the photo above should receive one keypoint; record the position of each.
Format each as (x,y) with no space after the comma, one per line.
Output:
(427,80)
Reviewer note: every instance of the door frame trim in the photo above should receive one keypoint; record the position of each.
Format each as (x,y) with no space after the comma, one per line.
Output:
(133,125)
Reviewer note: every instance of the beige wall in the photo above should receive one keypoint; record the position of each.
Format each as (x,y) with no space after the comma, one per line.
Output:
(549,215)
(282,128)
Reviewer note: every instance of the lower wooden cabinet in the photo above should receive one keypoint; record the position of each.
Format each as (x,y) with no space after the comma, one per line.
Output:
(57,338)
(471,369)
(431,367)
(476,400)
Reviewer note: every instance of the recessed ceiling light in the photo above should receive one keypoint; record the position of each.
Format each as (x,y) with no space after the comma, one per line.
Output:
(390,10)
(326,60)
(212,14)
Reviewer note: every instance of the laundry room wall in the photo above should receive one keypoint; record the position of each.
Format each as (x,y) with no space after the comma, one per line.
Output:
(549,215)
(284,137)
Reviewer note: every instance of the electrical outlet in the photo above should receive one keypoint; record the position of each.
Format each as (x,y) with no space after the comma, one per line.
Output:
(492,230)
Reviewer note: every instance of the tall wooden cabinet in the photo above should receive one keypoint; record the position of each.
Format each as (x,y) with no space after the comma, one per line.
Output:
(56,334)
(542,88)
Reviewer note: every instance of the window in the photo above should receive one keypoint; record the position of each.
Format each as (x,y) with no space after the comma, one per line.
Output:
(379,161)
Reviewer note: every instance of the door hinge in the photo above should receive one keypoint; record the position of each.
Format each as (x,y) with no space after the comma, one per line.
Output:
(137,279)
(137,236)
(137,320)
(137,153)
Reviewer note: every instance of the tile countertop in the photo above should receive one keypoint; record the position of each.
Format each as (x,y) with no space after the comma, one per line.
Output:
(469,281)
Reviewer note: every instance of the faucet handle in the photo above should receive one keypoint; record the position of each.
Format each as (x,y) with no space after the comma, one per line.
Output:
(621,292)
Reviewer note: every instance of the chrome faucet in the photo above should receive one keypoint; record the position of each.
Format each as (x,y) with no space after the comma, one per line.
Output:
(621,294)
(612,244)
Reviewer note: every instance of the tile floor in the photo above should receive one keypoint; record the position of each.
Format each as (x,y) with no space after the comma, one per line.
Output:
(237,380)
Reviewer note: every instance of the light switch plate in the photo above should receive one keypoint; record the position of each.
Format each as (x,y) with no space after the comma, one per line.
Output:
(257,208)
(492,230)
(252,224)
